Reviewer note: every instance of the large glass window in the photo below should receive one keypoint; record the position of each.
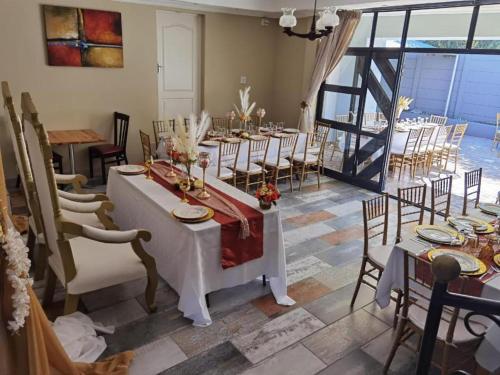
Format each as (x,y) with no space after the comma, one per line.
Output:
(439,28)
(363,32)
(348,72)
(340,107)
(487,35)
(389,29)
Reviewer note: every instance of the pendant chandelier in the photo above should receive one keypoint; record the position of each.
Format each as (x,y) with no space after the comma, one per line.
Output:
(327,20)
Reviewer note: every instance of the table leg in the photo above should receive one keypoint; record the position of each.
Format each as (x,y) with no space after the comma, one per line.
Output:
(72,158)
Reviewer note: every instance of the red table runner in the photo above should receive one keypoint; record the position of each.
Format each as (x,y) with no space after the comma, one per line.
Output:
(234,249)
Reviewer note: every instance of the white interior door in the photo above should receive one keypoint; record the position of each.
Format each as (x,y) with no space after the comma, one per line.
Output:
(178,36)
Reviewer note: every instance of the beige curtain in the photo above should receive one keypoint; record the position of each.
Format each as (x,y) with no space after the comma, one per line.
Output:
(330,51)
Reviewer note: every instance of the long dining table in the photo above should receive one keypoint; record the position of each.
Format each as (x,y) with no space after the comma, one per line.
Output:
(188,256)
(400,135)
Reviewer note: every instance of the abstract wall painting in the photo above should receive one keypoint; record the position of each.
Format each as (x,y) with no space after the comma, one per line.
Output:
(83,37)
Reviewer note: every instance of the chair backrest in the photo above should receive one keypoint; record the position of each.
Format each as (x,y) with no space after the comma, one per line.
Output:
(442,135)
(146,145)
(160,129)
(441,197)
(440,120)
(316,139)
(21,155)
(458,134)
(370,117)
(425,139)
(412,141)
(375,215)
(121,129)
(472,187)
(219,123)
(320,129)
(40,155)
(228,155)
(342,118)
(408,199)
(257,149)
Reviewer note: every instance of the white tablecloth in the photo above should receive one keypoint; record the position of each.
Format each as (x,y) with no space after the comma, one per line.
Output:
(272,153)
(393,278)
(188,256)
(399,138)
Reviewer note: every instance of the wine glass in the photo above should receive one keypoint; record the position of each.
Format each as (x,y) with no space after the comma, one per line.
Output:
(185,186)
(204,161)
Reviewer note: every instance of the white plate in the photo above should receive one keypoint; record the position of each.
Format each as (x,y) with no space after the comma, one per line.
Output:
(490,208)
(131,169)
(187,212)
(467,221)
(290,130)
(467,262)
(209,143)
(437,234)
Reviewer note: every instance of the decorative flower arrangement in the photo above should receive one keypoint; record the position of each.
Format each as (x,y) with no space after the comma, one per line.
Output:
(267,194)
(185,142)
(17,273)
(403,105)
(246,108)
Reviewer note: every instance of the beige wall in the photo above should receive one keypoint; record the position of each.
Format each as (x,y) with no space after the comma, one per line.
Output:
(72,98)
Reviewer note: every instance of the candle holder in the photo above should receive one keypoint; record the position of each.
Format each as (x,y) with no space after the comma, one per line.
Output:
(148,166)
(169,148)
(185,186)
(204,162)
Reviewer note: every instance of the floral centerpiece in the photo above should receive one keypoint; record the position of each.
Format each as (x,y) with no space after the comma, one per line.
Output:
(246,108)
(185,143)
(267,194)
(403,105)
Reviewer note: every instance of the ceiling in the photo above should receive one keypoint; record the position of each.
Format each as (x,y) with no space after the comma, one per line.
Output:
(272,8)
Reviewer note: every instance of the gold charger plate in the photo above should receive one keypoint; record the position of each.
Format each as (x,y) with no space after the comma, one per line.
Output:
(474,222)
(482,268)
(421,229)
(496,259)
(209,216)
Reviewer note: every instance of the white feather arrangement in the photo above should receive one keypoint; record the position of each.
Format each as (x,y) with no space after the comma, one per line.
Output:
(246,108)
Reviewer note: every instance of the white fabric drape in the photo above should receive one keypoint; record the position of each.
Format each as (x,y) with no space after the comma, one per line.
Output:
(330,51)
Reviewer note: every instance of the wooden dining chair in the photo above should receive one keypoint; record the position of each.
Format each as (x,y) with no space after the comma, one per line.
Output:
(440,120)
(283,161)
(117,151)
(408,156)
(496,136)
(411,207)
(422,154)
(452,148)
(161,128)
(308,162)
(227,162)
(321,130)
(254,166)
(441,197)
(219,123)
(472,188)
(436,151)
(453,338)
(146,146)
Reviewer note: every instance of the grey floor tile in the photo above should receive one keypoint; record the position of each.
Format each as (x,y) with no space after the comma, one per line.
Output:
(336,305)
(243,320)
(305,249)
(345,221)
(345,335)
(305,268)
(277,334)
(304,233)
(339,276)
(296,360)
(165,298)
(355,363)
(343,253)
(156,356)
(120,314)
(223,359)
(141,332)
(386,314)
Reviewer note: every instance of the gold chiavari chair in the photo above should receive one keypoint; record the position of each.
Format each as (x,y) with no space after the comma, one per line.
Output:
(440,120)
(219,123)
(409,199)
(160,128)
(342,118)
(226,165)
(452,149)
(321,130)
(422,154)
(453,337)
(257,153)
(496,137)
(146,146)
(307,163)
(436,154)
(441,197)
(407,158)
(370,117)
(472,187)
(283,159)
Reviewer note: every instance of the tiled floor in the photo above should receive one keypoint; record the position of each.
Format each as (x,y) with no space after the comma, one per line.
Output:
(250,334)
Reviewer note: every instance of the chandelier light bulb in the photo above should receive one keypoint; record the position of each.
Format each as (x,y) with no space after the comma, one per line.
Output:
(288,19)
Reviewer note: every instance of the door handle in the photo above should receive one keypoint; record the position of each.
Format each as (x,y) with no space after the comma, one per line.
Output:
(158,67)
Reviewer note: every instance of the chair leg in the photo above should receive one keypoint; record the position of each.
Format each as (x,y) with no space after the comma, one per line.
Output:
(103,171)
(444,360)
(18,181)
(50,287)
(456,160)
(247,182)
(395,345)
(358,284)
(302,175)
(398,308)
(151,291)
(30,243)
(319,177)
(71,303)
(41,262)
(291,178)
(264,281)
(91,165)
